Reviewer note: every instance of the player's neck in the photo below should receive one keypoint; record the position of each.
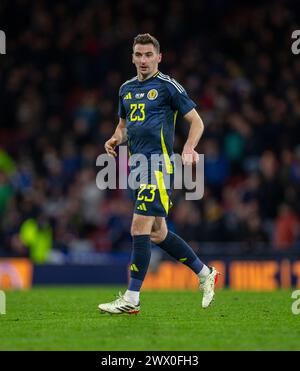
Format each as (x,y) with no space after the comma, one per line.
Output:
(146,77)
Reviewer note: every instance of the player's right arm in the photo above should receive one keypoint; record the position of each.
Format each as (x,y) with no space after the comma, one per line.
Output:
(119,137)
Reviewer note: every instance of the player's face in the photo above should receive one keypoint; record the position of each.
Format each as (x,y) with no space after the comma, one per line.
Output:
(146,59)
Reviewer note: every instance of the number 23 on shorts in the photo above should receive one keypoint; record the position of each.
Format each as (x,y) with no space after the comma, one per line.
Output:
(151,187)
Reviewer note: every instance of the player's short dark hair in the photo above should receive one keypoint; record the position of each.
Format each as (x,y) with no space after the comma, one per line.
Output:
(146,38)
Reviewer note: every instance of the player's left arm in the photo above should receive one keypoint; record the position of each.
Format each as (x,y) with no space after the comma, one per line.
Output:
(189,155)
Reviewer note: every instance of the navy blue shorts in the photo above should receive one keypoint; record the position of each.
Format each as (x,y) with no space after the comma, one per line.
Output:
(152,198)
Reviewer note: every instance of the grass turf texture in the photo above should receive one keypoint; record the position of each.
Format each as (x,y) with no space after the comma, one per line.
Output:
(52,318)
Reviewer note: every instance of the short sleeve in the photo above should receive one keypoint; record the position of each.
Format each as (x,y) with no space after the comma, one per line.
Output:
(180,101)
(121,108)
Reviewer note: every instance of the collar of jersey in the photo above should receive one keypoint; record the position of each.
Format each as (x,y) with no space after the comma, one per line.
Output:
(150,78)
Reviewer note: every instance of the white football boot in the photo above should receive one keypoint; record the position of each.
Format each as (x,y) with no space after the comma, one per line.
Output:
(119,306)
(207,285)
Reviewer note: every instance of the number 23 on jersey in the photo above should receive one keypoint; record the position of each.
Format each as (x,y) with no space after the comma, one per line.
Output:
(137,112)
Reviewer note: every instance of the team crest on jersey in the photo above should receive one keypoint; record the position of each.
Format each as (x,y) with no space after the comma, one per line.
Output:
(139,95)
(152,94)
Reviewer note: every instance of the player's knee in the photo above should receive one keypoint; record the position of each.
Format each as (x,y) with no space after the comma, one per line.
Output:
(154,237)
(141,224)
(134,231)
(157,236)
(137,229)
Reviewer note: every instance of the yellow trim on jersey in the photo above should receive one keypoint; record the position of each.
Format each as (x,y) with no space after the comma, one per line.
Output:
(168,163)
(162,190)
(175,118)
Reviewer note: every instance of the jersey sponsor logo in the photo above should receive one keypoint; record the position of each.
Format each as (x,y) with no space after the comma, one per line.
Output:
(152,94)
(139,95)
(128,96)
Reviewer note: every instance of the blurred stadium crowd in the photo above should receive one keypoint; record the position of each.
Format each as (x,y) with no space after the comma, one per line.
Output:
(59,86)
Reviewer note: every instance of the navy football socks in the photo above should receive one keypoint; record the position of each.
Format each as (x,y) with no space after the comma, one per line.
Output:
(140,259)
(181,251)
(174,245)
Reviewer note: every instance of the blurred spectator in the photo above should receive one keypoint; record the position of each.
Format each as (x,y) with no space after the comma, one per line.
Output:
(270,190)
(6,192)
(286,230)
(216,166)
(253,234)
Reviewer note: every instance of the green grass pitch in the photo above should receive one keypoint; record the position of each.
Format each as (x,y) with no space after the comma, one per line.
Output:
(66,318)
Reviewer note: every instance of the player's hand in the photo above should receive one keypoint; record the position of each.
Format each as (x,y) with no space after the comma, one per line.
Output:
(189,156)
(110,146)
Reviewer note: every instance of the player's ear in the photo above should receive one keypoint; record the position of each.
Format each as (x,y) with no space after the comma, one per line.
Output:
(159,57)
(132,58)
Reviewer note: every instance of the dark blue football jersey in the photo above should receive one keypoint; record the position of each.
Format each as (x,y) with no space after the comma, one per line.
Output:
(150,108)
